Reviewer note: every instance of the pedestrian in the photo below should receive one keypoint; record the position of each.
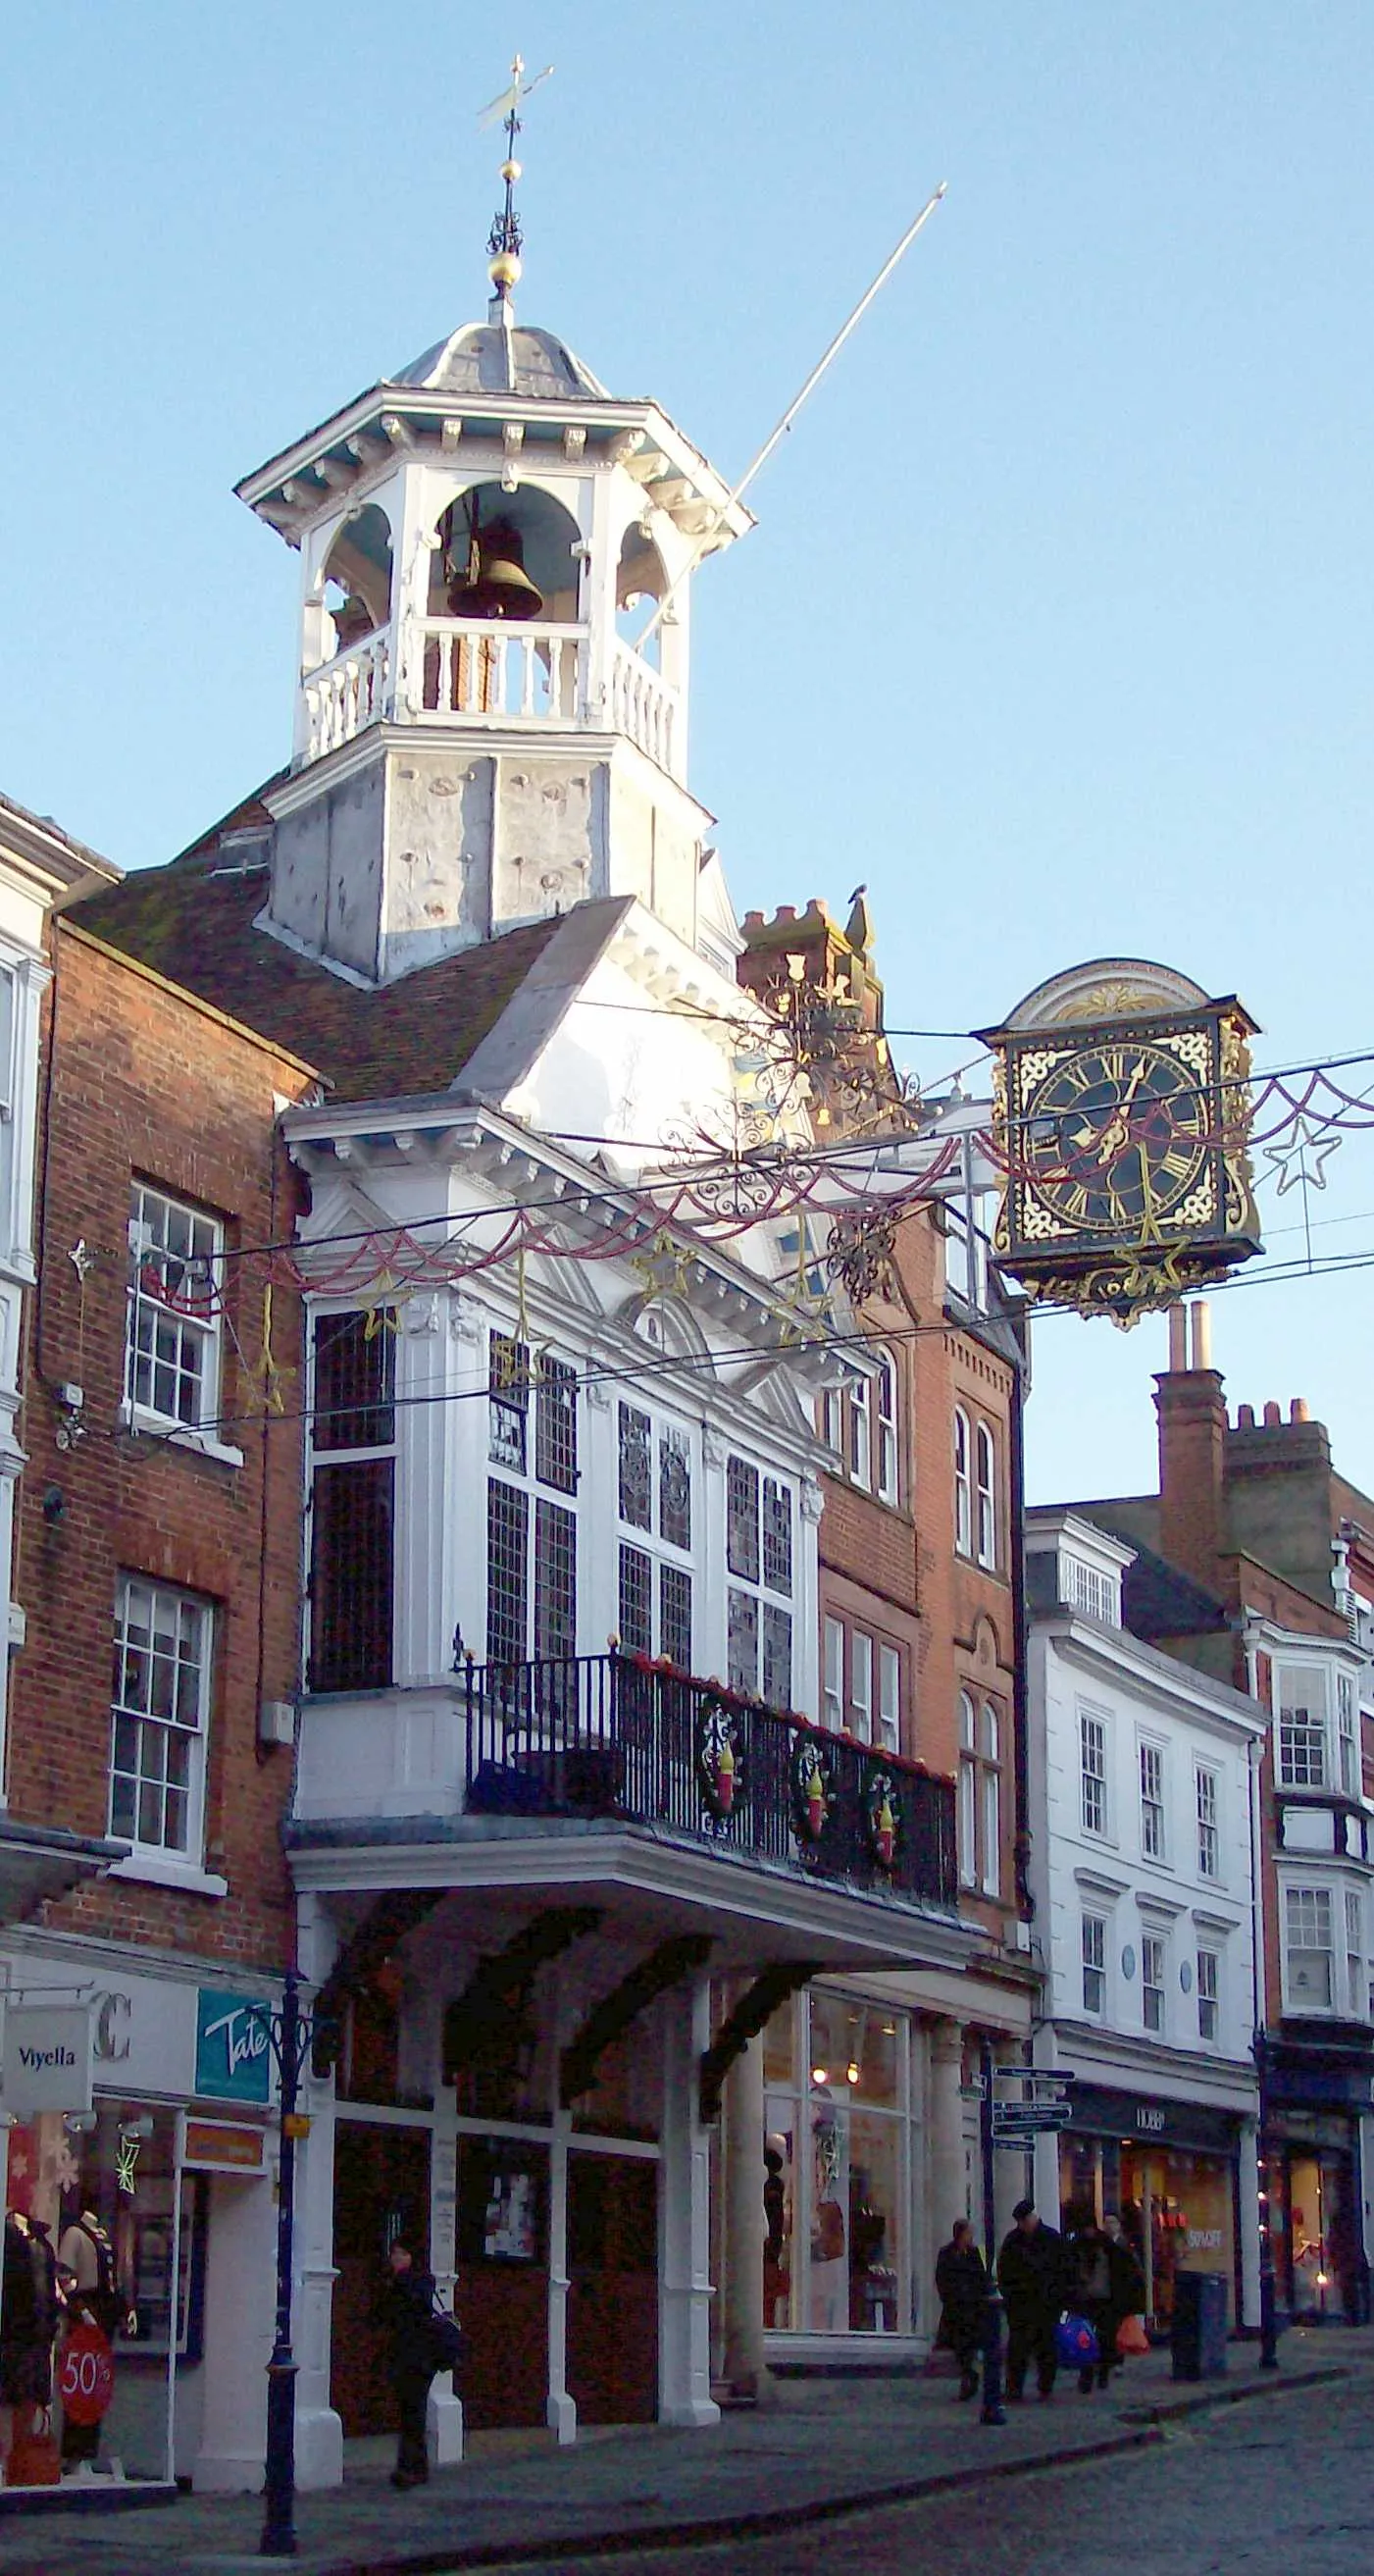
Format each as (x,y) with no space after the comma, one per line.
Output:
(1089,2294)
(1128,2286)
(961,2278)
(1031,2277)
(408,2306)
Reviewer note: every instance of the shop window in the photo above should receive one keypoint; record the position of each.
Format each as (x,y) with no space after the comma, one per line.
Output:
(1301,1693)
(161,1714)
(1308,1948)
(1093,1936)
(1092,1759)
(963,1486)
(985,1455)
(836,2168)
(172,1354)
(1208,1996)
(655,1497)
(1153,1958)
(1206,1787)
(758,1553)
(353,1444)
(531,1539)
(1152,1819)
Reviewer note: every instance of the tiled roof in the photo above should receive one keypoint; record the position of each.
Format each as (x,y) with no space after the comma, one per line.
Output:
(1157,1599)
(196,927)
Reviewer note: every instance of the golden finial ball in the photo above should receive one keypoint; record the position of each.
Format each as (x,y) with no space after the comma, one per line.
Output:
(510,172)
(504,271)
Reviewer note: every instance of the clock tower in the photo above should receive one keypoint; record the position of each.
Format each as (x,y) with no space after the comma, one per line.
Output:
(491,704)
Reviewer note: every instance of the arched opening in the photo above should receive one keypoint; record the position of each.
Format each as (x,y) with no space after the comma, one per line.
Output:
(510,562)
(352,597)
(640,582)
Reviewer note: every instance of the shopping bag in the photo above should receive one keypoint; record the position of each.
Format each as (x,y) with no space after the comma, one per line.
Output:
(1075,2342)
(35,2460)
(447,2342)
(1131,2336)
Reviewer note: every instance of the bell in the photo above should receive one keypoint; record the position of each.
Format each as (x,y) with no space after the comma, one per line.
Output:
(497,583)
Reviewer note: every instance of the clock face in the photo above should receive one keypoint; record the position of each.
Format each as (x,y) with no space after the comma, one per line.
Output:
(1114,1137)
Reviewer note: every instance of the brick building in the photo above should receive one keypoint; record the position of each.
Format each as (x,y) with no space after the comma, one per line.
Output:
(161,1500)
(921,1604)
(1278,1552)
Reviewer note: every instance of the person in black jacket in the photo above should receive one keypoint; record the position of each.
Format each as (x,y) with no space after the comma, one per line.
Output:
(408,2307)
(961,2277)
(1031,2276)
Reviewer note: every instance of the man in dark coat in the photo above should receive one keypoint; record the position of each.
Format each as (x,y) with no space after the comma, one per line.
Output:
(961,2277)
(408,2307)
(1031,2277)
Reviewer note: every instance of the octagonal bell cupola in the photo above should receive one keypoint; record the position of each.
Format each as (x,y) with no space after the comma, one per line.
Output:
(491,705)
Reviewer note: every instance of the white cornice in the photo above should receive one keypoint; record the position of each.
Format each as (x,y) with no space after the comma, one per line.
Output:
(1148,1674)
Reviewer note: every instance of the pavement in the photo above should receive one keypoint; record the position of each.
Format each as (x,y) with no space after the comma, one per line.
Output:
(829,2445)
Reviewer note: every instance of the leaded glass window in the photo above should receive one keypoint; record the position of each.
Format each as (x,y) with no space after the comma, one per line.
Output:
(636,1478)
(742,1519)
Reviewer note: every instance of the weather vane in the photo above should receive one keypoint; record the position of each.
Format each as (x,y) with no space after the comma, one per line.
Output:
(504,239)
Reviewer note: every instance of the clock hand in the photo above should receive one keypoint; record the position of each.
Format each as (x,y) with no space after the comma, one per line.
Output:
(1116,1133)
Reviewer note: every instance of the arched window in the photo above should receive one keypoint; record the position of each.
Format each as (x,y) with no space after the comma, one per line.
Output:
(992,1804)
(963,1497)
(987,1496)
(968,1793)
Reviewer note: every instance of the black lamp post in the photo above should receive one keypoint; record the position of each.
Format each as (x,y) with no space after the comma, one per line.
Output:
(993,2410)
(289,2036)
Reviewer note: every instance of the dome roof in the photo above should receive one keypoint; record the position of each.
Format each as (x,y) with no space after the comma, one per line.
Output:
(487,358)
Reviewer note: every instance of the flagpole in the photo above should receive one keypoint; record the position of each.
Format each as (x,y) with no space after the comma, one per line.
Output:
(793,408)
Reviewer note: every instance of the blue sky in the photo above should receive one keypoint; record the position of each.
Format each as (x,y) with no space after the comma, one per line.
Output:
(1056,626)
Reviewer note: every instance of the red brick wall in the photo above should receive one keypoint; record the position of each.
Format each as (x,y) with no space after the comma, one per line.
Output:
(141,1082)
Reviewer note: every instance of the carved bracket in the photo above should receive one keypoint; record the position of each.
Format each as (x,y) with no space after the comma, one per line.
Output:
(495,2001)
(382,1930)
(664,1967)
(757,2005)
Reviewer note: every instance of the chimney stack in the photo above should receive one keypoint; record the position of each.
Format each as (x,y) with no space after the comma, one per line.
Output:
(1192,1449)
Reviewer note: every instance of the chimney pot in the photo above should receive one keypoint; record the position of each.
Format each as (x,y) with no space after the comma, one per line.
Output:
(1201,1319)
(787,912)
(753,921)
(1245,1417)
(1178,1337)
(1272,1417)
(1297,1411)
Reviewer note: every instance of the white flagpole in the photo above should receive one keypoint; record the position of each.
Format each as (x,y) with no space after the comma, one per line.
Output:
(793,408)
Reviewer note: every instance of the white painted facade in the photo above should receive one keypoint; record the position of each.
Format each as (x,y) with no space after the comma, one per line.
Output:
(1144,1795)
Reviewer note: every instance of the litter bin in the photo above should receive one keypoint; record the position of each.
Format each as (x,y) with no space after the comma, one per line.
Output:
(1199,2330)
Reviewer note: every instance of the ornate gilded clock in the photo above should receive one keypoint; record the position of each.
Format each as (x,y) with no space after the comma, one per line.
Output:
(1120,1118)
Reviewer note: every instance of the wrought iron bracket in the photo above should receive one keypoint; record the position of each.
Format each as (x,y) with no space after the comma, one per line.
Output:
(608,2020)
(756,2005)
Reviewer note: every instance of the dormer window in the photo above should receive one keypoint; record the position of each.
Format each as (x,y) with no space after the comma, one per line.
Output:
(1088,1589)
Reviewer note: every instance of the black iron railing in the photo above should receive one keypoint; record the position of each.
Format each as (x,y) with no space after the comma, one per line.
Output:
(615,1736)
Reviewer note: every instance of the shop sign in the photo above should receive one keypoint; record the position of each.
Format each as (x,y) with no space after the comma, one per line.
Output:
(233,2058)
(47,2058)
(85,2377)
(1149,2118)
(223,2146)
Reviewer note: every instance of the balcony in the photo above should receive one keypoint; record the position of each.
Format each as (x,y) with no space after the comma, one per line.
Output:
(475,672)
(614,1738)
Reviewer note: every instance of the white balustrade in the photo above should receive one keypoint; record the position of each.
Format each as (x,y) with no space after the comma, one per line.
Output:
(643,706)
(344,695)
(484,669)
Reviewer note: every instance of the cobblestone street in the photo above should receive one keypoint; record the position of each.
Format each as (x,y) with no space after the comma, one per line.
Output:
(1247,2491)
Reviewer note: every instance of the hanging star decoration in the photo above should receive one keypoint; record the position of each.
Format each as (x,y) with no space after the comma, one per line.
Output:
(126,2166)
(267,1369)
(380,1309)
(666,1266)
(1302,1156)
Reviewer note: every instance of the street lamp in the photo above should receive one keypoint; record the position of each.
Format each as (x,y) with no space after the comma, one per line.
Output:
(289,2033)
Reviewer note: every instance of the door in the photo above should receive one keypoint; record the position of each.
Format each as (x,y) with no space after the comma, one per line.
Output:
(381,2192)
(613,2288)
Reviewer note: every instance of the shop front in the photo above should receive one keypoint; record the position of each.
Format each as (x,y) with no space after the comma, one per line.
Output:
(1312,2181)
(843,2080)
(135,2308)
(1172,2171)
